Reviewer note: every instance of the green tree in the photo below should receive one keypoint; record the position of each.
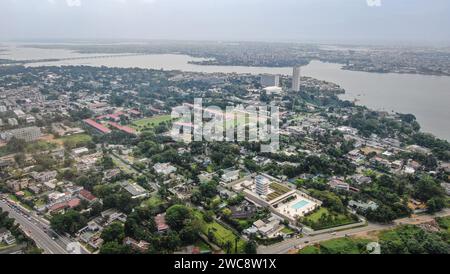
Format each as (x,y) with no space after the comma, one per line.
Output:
(114,232)
(177,215)
(70,222)
(250,247)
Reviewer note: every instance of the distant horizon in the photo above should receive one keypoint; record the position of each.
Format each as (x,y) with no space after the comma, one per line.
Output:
(112,41)
(377,22)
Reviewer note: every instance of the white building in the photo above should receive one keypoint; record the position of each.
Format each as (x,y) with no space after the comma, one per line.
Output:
(13,122)
(262,185)
(296,79)
(230,175)
(27,134)
(164,169)
(19,114)
(269,80)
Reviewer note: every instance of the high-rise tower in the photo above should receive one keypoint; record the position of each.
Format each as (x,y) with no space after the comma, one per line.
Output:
(296,79)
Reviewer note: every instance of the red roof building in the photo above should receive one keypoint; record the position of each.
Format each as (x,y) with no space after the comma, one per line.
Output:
(161,224)
(87,195)
(99,127)
(125,129)
(73,202)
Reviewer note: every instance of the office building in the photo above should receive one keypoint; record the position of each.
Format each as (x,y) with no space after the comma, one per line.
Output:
(296,79)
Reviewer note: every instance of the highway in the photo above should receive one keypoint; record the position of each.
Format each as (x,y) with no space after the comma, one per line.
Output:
(38,229)
(34,230)
(295,243)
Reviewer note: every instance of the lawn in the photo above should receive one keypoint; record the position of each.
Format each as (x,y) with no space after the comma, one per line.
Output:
(316,220)
(76,140)
(4,246)
(13,198)
(153,202)
(40,146)
(150,122)
(287,230)
(221,234)
(316,215)
(338,246)
(204,248)
(73,141)
(310,250)
(39,203)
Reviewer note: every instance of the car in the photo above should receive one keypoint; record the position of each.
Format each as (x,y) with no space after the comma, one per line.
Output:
(306,242)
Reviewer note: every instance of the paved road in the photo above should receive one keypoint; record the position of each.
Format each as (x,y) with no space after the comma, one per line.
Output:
(287,245)
(35,230)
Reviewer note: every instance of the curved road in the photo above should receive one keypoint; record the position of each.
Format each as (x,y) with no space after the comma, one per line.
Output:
(291,244)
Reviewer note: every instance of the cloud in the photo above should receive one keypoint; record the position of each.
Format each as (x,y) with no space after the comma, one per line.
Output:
(374,3)
(73,3)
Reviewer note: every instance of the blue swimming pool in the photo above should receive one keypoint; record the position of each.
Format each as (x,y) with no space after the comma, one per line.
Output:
(300,204)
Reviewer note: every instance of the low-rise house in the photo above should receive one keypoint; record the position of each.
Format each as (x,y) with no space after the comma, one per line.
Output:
(362,180)
(92,239)
(17,185)
(87,196)
(50,185)
(164,169)
(112,215)
(243,211)
(111,174)
(363,206)
(161,224)
(339,184)
(44,176)
(6,237)
(266,229)
(230,175)
(205,177)
(141,246)
(61,206)
(135,190)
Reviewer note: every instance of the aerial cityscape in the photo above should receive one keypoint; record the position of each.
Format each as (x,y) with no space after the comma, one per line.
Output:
(167,143)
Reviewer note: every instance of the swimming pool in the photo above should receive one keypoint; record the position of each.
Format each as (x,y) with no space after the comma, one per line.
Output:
(300,204)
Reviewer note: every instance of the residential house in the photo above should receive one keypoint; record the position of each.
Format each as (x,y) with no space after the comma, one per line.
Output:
(161,224)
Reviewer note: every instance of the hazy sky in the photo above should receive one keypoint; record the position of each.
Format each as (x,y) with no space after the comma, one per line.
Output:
(272,20)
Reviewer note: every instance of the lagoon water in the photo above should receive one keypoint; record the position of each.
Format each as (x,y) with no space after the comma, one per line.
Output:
(427,97)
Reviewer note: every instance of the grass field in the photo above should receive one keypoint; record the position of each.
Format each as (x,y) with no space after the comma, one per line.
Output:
(73,141)
(316,215)
(40,146)
(314,220)
(338,246)
(221,234)
(77,138)
(150,122)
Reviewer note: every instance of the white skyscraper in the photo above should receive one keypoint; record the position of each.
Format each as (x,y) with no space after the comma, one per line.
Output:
(296,79)
(262,185)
